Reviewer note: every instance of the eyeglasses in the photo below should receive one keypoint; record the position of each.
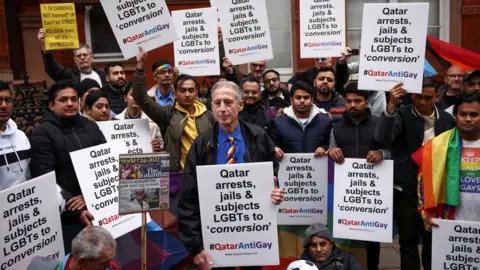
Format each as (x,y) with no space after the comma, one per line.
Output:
(255,66)
(165,71)
(8,100)
(274,80)
(82,55)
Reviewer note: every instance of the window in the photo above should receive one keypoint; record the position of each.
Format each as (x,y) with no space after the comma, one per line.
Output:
(99,35)
(279,19)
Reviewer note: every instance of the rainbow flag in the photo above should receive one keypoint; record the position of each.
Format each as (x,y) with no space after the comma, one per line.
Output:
(441,55)
(439,175)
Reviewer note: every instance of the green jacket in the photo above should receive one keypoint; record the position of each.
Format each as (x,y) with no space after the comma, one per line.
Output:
(170,120)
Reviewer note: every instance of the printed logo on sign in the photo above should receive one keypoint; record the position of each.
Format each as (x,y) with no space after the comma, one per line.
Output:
(322,44)
(300,211)
(241,245)
(249,49)
(398,74)
(363,223)
(146,33)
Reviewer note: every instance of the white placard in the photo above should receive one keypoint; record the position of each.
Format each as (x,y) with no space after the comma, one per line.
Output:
(393,46)
(30,224)
(97,172)
(239,221)
(196,52)
(305,181)
(456,245)
(363,200)
(245,30)
(135,134)
(322,28)
(145,23)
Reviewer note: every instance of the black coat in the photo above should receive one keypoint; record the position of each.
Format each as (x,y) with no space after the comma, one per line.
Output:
(54,139)
(338,260)
(58,72)
(204,152)
(277,102)
(258,115)
(117,103)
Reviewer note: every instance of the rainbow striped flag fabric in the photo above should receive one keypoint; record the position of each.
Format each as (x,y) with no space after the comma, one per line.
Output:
(439,175)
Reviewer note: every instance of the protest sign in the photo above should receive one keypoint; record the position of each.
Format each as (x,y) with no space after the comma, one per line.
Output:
(456,244)
(363,200)
(393,46)
(30,224)
(305,181)
(144,183)
(135,134)
(196,52)
(239,221)
(60,23)
(245,30)
(145,23)
(97,170)
(322,28)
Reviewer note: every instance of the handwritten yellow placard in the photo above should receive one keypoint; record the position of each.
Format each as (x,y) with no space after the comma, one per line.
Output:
(60,22)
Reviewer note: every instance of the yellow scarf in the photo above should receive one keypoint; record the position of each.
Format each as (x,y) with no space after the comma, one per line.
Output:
(190,132)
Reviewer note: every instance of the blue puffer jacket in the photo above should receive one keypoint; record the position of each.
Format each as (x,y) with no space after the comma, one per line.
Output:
(289,135)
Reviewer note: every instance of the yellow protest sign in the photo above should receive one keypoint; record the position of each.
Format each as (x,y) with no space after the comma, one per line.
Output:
(60,23)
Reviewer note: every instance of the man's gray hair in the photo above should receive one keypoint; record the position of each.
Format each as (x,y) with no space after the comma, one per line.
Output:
(82,46)
(231,85)
(91,242)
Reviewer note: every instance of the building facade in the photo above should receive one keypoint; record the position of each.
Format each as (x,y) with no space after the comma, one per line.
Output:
(453,21)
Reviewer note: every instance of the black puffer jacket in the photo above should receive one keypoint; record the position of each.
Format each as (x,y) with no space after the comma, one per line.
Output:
(338,260)
(117,103)
(52,142)
(259,148)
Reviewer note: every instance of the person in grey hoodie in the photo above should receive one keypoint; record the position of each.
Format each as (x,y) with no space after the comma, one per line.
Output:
(14,144)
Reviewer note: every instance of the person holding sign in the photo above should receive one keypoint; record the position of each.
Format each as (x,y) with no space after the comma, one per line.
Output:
(83,58)
(230,141)
(406,130)
(452,192)
(163,91)
(351,137)
(133,111)
(181,122)
(62,131)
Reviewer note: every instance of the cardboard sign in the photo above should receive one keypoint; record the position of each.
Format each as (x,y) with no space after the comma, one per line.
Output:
(239,221)
(322,28)
(305,182)
(363,200)
(393,46)
(456,244)
(97,170)
(135,134)
(145,23)
(30,224)
(245,30)
(60,22)
(196,52)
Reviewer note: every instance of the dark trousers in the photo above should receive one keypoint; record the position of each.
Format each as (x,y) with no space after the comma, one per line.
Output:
(410,228)
(373,255)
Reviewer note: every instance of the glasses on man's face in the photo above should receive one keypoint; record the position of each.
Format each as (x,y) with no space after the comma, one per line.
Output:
(255,66)
(7,100)
(165,71)
(274,80)
(82,55)
(455,76)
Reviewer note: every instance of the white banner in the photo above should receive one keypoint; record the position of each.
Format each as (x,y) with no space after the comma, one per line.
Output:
(322,28)
(135,134)
(456,245)
(239,221)
(363,200)
(245,30)
(305,181)
(97,170)
(393,46)
(30,224)
(145,23)
(196,52)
